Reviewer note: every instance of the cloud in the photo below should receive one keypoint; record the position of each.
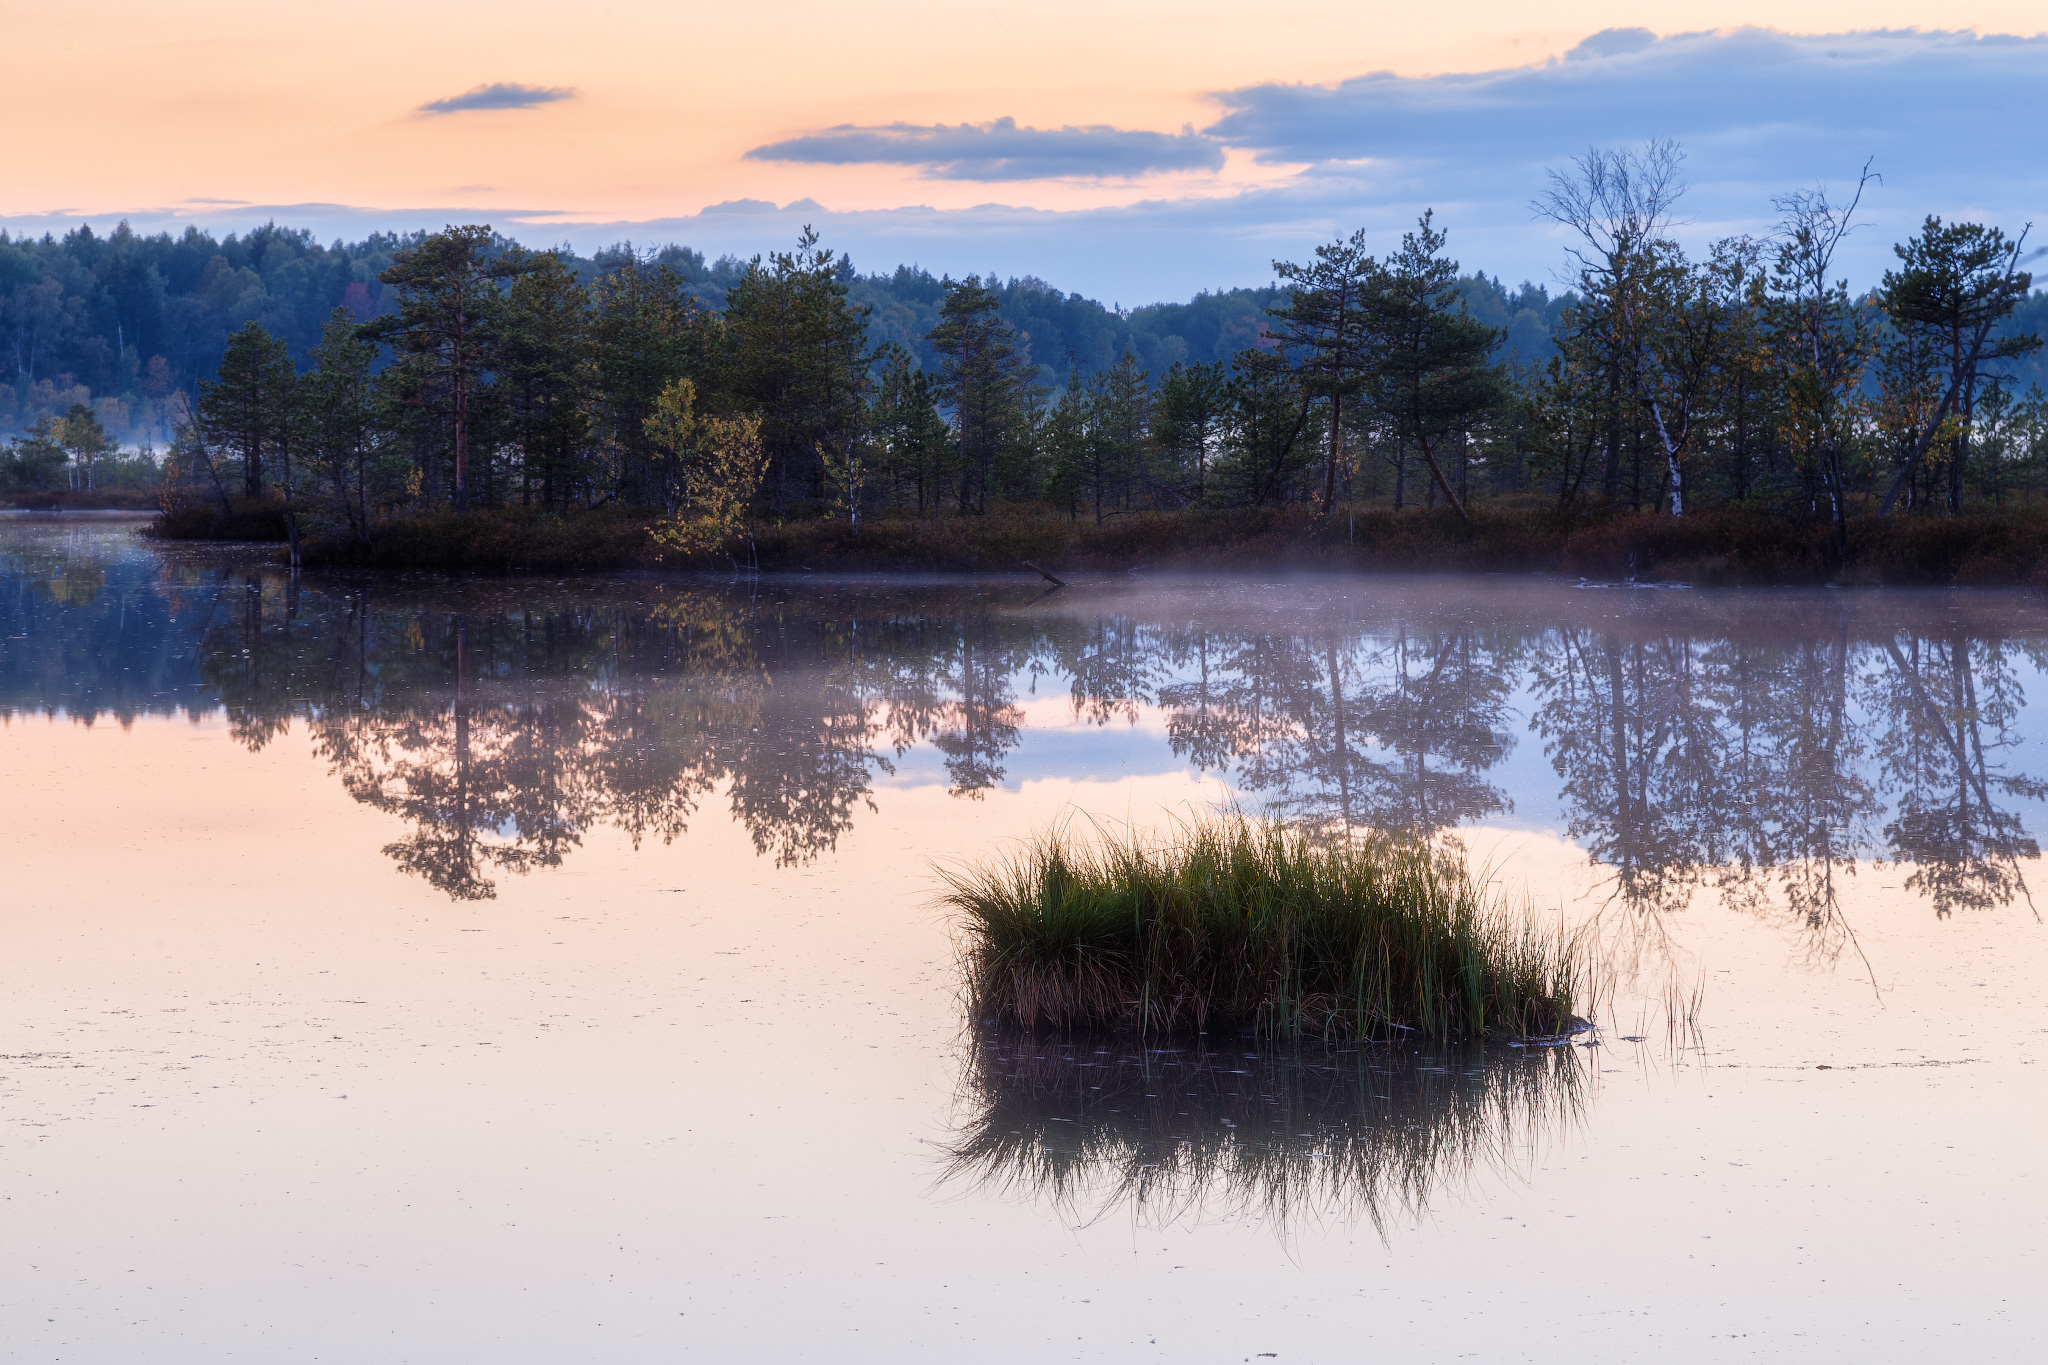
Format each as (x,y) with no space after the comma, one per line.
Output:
(1949,120)
(1949,117)
(499,95)
(1001,151)
(1783,104)
(1611,42)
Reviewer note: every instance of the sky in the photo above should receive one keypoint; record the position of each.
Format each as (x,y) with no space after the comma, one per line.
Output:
(1131,151)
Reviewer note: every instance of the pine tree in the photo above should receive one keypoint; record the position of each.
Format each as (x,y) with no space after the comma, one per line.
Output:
(546,372)
(1187,418)
(336,417)
(450,305)
(646,332)
(1955,283)
(988,379)
(1324,321)
(912,444)
(1267,441)
(796,353)
(1071,449)
(1121,420)
(245,410)
(1434,377)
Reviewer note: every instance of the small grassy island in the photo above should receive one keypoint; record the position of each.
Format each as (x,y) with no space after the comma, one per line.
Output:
(1241,924)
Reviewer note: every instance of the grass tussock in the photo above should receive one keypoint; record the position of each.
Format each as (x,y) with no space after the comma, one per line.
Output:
(1237,923)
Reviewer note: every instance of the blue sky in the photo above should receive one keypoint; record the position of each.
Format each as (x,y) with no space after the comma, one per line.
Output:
(1131,214)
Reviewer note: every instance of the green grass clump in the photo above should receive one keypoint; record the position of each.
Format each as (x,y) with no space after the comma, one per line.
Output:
(1240,923)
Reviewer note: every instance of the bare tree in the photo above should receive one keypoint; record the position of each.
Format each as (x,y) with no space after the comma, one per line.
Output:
(1620,205)
(1823,337)
(1663,316)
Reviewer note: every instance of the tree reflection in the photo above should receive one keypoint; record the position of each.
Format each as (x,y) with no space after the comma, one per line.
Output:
(1350,731)
(1758,749)
(1952,704)
(980,727)
(1769,765)
(1763,765)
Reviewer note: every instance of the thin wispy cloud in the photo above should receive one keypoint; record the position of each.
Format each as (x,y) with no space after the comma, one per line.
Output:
(499,95)
(1002,151)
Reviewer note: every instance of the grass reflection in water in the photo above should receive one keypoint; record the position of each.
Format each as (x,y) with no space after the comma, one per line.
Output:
(1294,1135)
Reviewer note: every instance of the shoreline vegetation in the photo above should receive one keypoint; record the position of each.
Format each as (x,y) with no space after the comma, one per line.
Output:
(1732,414)
(1721,546)
(1233,924)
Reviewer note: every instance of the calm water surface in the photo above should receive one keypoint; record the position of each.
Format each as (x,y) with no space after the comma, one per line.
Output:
(538,970)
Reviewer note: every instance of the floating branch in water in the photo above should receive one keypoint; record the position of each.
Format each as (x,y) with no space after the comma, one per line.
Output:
(1242,924)
(1281,1133)
(1056,582)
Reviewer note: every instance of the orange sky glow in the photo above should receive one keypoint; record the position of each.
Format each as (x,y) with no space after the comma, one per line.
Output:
(121,106)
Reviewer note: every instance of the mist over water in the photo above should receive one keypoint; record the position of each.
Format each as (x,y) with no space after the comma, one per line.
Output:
(606,903)
(1758,743)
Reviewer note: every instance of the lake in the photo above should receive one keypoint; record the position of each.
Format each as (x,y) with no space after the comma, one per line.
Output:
(418,969)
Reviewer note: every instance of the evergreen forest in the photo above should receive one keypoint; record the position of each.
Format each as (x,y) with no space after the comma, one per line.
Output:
(332,392)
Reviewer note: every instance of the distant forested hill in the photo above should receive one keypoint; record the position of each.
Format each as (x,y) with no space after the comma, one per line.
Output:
(120,320)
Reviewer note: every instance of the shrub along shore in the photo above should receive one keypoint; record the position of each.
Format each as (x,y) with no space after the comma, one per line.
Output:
(1721,546)
(1240,924)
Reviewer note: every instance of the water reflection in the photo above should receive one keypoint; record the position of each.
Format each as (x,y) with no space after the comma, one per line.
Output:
(1348,727)
(500,734)
(1760,746)
(1183,1135)
(1768,764)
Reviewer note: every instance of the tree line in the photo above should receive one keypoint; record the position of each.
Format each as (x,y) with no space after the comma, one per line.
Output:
(1754,371)
(787,387)
(124,322)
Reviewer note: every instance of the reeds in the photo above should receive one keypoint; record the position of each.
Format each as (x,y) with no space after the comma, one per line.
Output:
(1233,923)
